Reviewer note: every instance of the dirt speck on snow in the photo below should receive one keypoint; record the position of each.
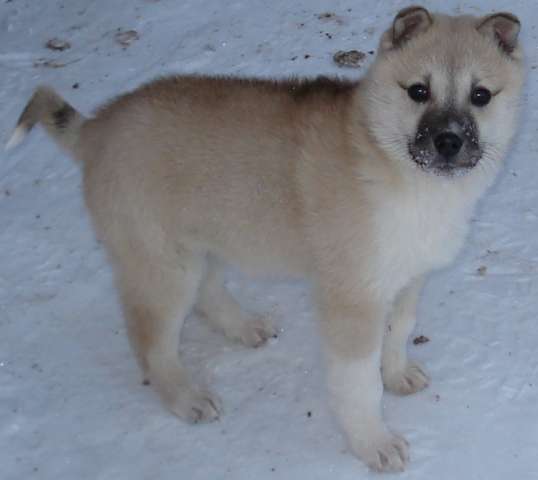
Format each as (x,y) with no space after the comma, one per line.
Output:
(420,340)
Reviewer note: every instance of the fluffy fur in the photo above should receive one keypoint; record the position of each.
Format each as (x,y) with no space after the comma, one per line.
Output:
(312,178)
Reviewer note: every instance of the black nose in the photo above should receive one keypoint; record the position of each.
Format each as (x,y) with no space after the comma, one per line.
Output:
(448,144)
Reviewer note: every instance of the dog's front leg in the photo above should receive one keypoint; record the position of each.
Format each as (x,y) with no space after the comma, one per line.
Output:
(353,332)
(399,374)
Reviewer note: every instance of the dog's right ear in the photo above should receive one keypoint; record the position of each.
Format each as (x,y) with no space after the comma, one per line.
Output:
(407,24)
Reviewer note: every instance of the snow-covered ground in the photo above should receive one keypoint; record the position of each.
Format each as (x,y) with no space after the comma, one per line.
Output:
(71,402)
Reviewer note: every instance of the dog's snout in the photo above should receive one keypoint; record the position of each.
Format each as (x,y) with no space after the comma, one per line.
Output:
(448,144)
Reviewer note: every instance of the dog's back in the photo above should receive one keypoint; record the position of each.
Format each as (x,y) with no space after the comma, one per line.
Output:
(179,152)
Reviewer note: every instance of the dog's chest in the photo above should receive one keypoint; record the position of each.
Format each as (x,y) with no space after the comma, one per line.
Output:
(416,233)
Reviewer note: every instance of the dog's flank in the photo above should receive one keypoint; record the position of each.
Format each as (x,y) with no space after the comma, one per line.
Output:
(61,121)
(363,188)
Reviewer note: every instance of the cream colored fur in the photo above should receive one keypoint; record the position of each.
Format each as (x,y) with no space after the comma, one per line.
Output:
(309,179)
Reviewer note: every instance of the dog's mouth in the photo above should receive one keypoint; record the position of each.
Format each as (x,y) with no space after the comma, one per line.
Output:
(429,160)
(445,169)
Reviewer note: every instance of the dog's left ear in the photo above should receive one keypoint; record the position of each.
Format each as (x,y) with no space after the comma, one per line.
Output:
(407,24)
(503,28)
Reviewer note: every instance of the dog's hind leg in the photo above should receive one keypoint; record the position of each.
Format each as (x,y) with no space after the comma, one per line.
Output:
(224,313)
(158,290)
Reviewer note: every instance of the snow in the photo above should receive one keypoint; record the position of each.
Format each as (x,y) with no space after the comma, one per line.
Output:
(71,401)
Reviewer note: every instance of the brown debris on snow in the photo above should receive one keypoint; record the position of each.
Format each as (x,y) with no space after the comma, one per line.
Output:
(350,58)
(126,37)
(57,44)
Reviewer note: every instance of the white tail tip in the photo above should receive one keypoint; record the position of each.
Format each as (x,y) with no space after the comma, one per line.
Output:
(16,138)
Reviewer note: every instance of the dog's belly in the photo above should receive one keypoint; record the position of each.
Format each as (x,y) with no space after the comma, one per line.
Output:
(257,239)
(260,255)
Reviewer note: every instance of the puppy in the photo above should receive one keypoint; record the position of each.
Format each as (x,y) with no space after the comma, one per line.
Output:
(361,187)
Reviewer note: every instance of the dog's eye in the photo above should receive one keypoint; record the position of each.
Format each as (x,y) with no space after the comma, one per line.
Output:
(480,96)
(419,93)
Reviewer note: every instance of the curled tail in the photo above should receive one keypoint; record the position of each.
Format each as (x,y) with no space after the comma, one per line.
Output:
(61,121)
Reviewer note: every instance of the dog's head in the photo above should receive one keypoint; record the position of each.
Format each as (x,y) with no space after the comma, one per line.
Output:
(443,93)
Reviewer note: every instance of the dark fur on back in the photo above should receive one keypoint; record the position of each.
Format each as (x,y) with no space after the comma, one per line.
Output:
(216,88)
(304,88)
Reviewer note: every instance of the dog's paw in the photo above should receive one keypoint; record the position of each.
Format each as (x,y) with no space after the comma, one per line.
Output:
(410,380)
(195,406)
(385,453)
(254,332)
